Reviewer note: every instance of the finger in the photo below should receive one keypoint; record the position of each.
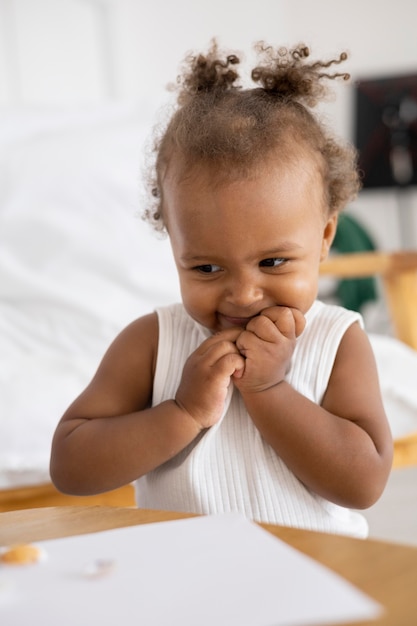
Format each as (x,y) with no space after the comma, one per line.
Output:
(289,321)
(228,336)
(246,342)
(263,327)
(212,351)
(283,319)
(230,365)
(300,322)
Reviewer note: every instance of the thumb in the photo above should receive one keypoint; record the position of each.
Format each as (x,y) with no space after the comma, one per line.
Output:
(239,371)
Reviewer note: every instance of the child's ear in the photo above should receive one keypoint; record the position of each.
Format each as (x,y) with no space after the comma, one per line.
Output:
(329,233)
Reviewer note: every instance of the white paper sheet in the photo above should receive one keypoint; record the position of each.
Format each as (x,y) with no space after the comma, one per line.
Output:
(205,571)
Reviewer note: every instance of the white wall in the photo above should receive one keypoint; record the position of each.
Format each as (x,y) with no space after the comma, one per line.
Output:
(49,52)
(381,38)
(57,58)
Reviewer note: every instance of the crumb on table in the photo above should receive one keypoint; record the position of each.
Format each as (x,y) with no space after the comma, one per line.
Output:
(20,555)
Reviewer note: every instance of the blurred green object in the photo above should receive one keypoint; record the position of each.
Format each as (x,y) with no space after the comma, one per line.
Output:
(351,236)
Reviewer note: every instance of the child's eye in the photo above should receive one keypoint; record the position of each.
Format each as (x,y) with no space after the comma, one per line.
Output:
(273,262)
(207,268)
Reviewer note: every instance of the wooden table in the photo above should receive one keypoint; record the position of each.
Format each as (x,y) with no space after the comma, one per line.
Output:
(385,571)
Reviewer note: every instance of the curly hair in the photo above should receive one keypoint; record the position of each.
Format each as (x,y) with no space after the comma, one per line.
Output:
(232,130)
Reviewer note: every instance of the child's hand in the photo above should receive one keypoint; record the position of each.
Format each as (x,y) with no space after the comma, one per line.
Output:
(207,375)
(267,343)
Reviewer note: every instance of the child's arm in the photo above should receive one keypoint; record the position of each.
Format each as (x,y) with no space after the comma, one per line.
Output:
(341,450)
(110,435)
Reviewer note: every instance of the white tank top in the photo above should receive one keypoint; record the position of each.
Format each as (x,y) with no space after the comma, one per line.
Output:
(230,467)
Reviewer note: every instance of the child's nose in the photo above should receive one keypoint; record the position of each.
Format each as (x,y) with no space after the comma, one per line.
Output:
(244,291)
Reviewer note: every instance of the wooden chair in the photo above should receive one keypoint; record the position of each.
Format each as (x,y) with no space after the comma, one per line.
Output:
(46,495)
(397,272)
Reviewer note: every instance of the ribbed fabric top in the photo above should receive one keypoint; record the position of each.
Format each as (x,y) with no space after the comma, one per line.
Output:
(230,467)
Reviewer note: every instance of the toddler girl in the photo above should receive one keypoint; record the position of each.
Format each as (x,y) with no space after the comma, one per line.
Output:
(250,395)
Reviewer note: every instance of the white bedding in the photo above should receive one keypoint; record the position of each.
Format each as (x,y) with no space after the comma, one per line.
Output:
(77,264)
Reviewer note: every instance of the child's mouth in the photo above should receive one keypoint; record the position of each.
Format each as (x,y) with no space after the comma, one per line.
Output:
(229,321)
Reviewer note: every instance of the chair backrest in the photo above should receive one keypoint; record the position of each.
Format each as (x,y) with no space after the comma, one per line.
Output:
(398,274)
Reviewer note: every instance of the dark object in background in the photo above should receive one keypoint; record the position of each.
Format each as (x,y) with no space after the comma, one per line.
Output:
(386,130)
(351,236)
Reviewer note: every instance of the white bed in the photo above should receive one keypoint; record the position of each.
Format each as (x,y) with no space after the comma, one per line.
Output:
(77,263)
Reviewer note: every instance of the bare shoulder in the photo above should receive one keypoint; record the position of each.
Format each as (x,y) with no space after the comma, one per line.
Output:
(353,391)
(137,343)
(354,352)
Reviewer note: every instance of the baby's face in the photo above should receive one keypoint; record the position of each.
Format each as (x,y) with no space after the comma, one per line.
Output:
(249,244)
